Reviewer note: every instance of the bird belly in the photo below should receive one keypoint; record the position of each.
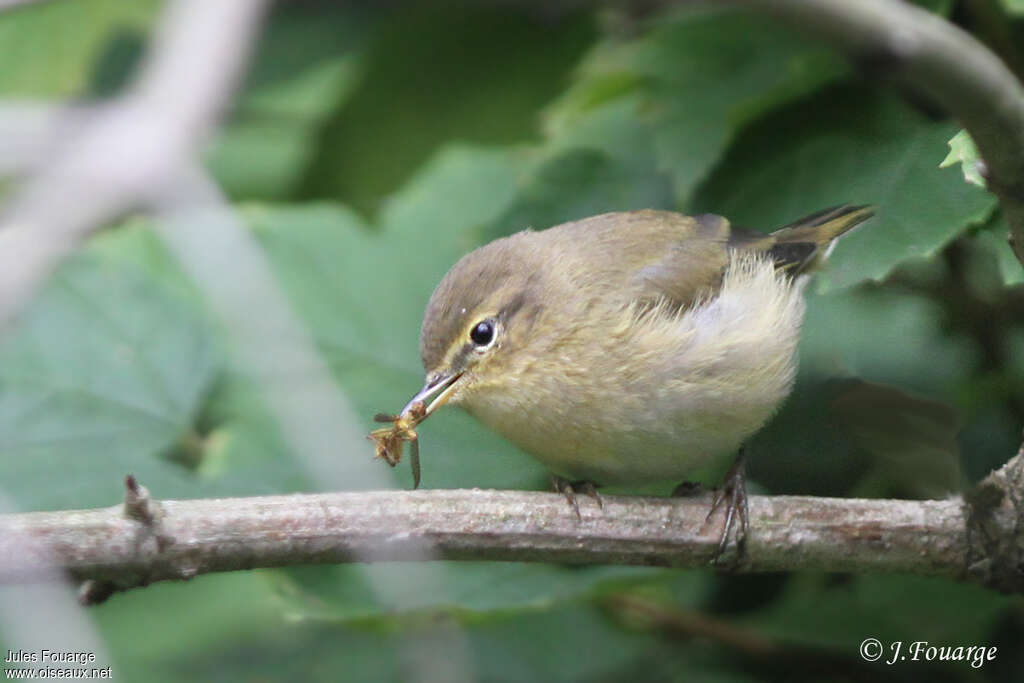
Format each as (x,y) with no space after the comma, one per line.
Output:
(607,447)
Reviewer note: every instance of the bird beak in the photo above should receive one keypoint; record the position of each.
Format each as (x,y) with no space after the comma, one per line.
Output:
(439,386)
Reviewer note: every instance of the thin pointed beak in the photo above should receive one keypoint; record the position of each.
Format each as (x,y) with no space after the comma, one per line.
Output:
(440,387)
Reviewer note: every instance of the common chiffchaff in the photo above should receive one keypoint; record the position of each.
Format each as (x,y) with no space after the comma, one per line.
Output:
(628,347)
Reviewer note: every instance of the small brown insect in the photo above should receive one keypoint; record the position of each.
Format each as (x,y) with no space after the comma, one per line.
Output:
(390,440)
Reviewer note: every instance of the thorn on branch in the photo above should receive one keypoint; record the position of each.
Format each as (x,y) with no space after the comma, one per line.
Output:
(93,592)
(140,506)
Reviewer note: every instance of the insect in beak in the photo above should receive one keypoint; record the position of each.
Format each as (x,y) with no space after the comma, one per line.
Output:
(390,440)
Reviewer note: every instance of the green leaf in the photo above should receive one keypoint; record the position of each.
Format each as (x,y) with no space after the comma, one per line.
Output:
(841,614)
(207,617)
(490,68)
(200,637)
(102,374)
(911,440)
(994,237)
(685,87)
(345,593)
(1015,7)
(579,183)
(962,150)
(878,403)
(52,49)
(849,145)
(306,64)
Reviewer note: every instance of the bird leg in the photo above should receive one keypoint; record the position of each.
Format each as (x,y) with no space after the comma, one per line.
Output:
(733,494)
(570,488)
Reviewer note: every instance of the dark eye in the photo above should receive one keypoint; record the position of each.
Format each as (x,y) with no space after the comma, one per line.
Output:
(483,333)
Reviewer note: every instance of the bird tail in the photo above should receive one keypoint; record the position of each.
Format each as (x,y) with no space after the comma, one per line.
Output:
(802,245)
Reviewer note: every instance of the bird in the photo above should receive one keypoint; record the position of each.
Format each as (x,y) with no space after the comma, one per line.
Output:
(629,347)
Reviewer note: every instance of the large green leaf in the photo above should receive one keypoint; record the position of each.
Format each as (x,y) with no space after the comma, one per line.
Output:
(685,87)
(850,145)
(490,68)
(648,117)
(103,373)
(224,628)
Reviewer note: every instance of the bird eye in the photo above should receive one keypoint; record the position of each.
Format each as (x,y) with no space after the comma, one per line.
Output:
(482,333)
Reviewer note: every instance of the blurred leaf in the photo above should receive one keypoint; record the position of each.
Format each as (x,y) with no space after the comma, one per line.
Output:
(995,238)
(265,150)
(566,643)
(886,338)
(912,440)
(687,86)
(306,64)
(344,593)
(101,374)
(153,633)
(1013,6)
(962,150)
(580,183)
(856,146)
(438,73)
(842,614)
(51,48)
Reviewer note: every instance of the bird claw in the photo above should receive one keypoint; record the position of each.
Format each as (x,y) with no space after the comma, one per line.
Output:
(733,494)
(570,488)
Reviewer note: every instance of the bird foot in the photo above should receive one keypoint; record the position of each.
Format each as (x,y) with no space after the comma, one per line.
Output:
(570,488)
(733,495)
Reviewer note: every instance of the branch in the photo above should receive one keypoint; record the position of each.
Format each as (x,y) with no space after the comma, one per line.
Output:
(129,148)
(142,541)
(945,63)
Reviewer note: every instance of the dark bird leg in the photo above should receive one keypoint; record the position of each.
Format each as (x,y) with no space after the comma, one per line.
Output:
(734,495)
(570,488)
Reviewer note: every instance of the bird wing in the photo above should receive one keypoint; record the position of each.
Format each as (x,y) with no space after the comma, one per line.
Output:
(692,266)
(689,262)
(655,256)
(642,256)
